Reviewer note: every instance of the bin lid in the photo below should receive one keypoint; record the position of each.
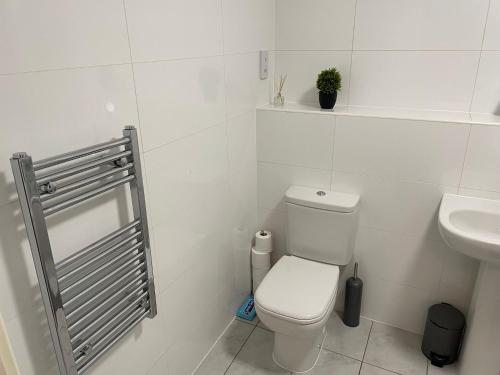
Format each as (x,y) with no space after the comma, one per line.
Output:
(446,316)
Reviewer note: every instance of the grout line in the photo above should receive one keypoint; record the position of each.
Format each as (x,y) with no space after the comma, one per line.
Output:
(333,150)
(352,53)
(221,123)
(382,368)
(292,165)
(377,176)
(464,160)
(480,56)
(66,68)
(367,341)
(224,331)
(241,348)
(383,50)
(246,322)
(343,355)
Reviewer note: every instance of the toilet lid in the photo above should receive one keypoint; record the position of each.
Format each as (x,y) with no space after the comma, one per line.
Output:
(298,290)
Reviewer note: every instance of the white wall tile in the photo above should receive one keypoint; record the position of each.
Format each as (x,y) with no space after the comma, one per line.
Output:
(248,25)
(163,30)
(52,35)
(299,139)
(31,344)
(410,150)
(480,193)
(187,224)
(482,160)
(55,112)
(244,88)
(420,25)
(408,260)
(458,280)
(487,91)
(492,32)
(302,69)
(426,80)
(314,25)
(395,304)
(135,352)
(398,206)
(275,179)
(242,155)
(178,98)
(243,186)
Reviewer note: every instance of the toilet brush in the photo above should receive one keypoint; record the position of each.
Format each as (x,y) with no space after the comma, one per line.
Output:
(353,294)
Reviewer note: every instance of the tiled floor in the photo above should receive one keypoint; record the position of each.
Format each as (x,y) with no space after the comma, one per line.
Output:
(369,349)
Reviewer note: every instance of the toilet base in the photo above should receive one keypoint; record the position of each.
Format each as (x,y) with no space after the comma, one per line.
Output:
(298,355)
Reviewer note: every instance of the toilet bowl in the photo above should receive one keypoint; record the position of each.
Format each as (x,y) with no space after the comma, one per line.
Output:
(295,300)
(296,297)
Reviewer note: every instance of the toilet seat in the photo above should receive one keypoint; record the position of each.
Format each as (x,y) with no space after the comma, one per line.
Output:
(299,291)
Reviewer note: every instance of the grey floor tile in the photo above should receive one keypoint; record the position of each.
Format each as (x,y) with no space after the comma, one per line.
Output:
(263,326)
(346,340)
(256,356)
(253,322)
(396,350)
(446,370)
(219,359)
(372,370)
(332,363)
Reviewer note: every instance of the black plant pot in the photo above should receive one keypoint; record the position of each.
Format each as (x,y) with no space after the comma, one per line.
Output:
(327,101)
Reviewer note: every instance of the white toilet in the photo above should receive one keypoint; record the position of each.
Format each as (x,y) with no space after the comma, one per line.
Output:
(297,296)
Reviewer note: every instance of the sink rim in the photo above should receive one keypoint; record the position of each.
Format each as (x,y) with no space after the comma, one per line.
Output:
(468,243)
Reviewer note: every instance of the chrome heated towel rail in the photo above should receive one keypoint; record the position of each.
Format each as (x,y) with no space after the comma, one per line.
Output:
(98,294)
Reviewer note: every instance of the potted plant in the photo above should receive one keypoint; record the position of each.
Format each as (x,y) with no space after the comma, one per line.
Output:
(328,83)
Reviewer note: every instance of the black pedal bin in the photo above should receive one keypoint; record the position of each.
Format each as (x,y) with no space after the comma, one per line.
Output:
(443,334)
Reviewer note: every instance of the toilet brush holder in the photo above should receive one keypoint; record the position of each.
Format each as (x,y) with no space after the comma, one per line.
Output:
(353,295)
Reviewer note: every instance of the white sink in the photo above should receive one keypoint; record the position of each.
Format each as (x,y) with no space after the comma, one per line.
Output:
(471,226)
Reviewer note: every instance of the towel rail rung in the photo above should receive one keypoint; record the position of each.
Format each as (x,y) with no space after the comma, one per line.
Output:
(102,324)
(84,286)
(119,333)
(86,307)
(64,158)
(99,256)
(91,193)
(81,167)
(81,183)
(67,264)
(90,321)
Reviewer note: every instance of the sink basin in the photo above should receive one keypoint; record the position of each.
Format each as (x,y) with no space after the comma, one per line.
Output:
(471,226)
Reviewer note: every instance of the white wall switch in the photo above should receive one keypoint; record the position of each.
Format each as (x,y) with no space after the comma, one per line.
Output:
(264,64)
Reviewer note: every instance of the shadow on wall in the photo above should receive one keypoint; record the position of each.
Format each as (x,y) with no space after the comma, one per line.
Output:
(497,110)
(13,242)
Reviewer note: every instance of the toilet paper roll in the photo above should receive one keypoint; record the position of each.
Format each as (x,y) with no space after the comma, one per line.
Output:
(261,259)
(264,241)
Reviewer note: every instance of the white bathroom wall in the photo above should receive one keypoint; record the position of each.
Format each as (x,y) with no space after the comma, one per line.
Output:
(186,74)
(400,168)
(393,53)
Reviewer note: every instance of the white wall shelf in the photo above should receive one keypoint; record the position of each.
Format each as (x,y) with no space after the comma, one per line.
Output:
(390,113)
